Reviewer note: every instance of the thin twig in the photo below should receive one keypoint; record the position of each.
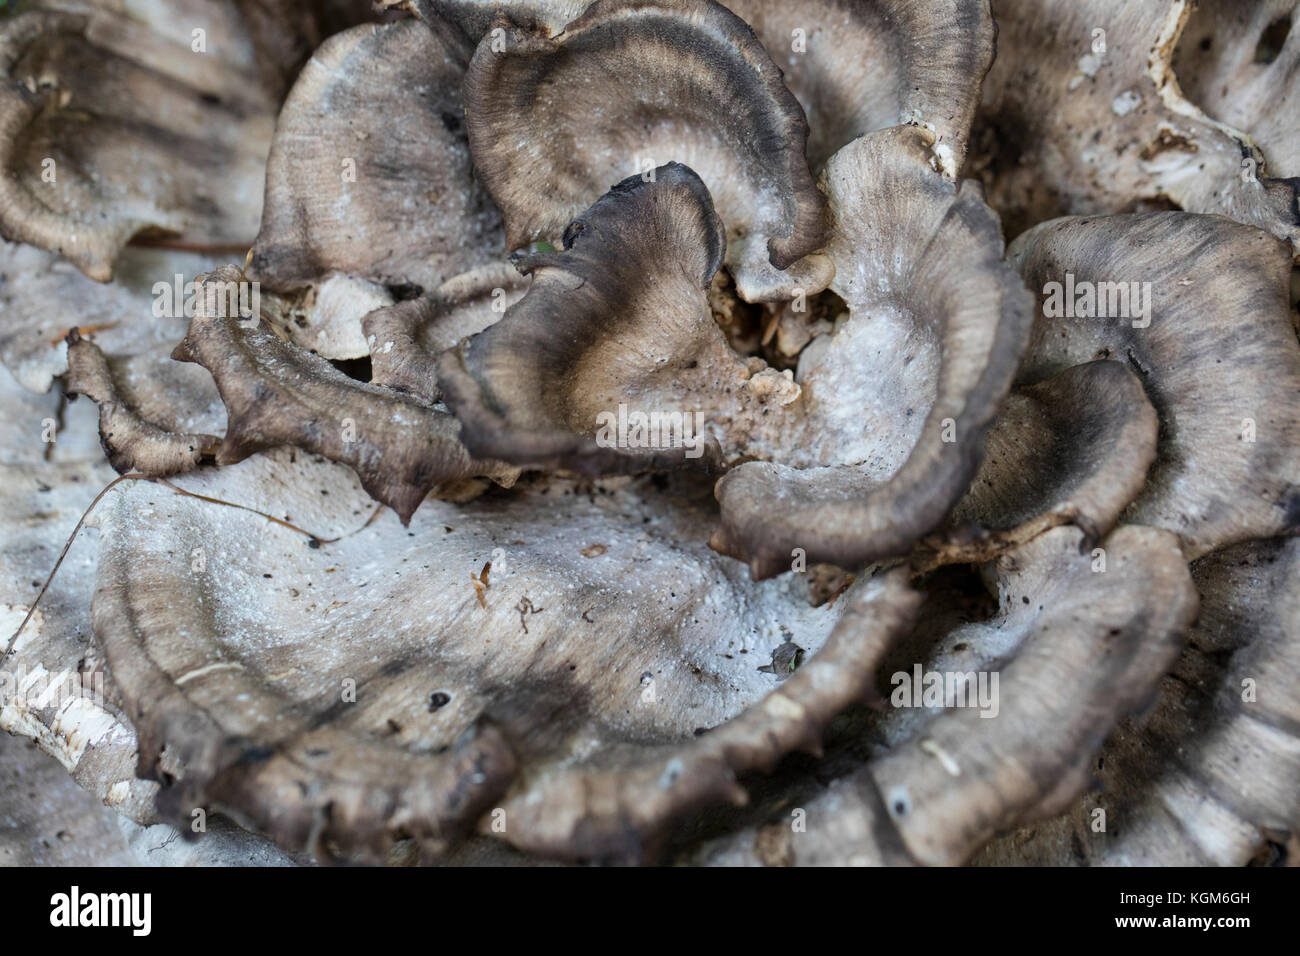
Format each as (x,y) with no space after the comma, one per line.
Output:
(137,476)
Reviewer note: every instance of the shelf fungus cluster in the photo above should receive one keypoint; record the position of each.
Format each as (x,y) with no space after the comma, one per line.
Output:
(658,430)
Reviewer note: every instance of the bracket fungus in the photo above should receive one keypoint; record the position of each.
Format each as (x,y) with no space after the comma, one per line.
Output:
(1210,331)
(856,67)
(1208,777)
(636,418)
(411,212)
(1231,793)
(1083,114)
(1072,449)
(696,86)
(109,129)
(278,394)
(937,322)
(619,317)
(466,22)
(596,691)
(948,779)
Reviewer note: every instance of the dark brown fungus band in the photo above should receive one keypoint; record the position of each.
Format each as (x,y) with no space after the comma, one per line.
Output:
(130,442)
(863,65)
(902,394)
(622,812)
(628,87)
(1197,306)
(109,130)
(1074,649)
(349,190)
(1073,449)
(1209,776)
(616,324)
(278,394)
(1082,114)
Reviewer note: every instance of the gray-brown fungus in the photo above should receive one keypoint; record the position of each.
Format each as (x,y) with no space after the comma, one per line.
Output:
(555,431)
(403,340)
(278,394)
(863,65)
(109,129)
(1208,777)
(615,325)
(350,191)
(1073,449)
(132,442)
(628,87)
(503,629)
(1083,114)
(1197,306)
(1075,650)
(895,404)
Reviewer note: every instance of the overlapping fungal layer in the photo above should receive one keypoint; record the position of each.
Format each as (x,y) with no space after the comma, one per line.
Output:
(349,190)
(862,65)
(894,405)
(1072,449)
(278,394)
(1083,114)
(491,615)
(109,129)
(1208,776)
(466,22)
(565,656)
(1208,328)
(612,811)
(1075,650)
(1211,776)
(614,325)
(854,67)
(628,87)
